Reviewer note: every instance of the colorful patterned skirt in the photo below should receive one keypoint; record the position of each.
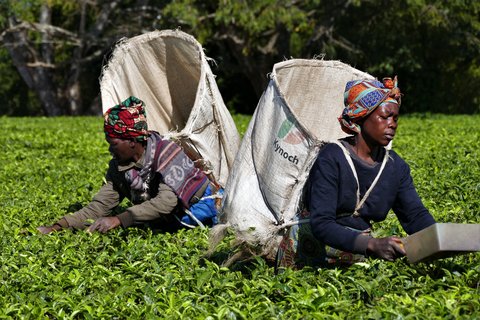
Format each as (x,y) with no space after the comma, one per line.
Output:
(300,248)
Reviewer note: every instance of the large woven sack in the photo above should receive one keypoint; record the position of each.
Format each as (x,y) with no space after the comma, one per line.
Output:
(169,71)
(295,116)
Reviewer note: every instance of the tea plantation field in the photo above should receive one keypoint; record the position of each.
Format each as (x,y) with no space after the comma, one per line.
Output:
(52,166)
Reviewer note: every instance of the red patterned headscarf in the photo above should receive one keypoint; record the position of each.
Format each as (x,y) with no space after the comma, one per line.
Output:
(362,97)
(127,120)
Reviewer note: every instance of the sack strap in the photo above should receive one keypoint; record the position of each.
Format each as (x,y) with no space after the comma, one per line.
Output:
(191,215)
(361,202)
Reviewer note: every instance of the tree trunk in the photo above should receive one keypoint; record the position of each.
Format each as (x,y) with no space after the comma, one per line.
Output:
(35,67)
(43,75)
(73,90)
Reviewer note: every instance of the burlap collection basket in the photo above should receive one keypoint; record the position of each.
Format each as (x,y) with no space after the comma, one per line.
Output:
(295,116)
(169,71)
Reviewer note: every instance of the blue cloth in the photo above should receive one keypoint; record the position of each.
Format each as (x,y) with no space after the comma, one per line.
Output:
(332,193)
(204,210)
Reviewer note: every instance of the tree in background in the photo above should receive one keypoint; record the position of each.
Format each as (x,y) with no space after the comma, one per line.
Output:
(13,91)
(54,44)
(434,46)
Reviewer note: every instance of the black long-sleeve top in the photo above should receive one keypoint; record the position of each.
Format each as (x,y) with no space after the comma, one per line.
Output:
(332,198)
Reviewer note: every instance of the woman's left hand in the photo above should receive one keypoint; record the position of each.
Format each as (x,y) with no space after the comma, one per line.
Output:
(389,248)
(104,224)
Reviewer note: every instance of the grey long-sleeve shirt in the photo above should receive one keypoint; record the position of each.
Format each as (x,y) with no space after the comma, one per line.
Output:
(163,200)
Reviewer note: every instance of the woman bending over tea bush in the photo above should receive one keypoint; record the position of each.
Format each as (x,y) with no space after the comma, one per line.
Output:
(354,182)
(165,188)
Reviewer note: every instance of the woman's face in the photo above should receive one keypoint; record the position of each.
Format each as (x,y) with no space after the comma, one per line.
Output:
(121,150)
(380,126)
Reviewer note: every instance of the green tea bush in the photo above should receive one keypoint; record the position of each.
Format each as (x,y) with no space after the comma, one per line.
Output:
(52,166)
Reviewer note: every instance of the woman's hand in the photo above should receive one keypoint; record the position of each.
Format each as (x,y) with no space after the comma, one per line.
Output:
(104,224)
(389,248)
(49,229)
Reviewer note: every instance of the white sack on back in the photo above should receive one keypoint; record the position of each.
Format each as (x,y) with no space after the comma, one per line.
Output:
(295,116)
(168,70)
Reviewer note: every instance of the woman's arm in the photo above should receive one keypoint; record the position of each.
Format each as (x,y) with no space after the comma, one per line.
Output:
(106,199)
(408,206)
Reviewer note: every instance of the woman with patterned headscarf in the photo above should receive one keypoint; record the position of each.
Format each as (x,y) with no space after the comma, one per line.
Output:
(355,182)
(166,189)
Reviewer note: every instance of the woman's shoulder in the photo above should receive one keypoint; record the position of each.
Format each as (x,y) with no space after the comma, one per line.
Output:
(330,156)
(330,150)
(395,156)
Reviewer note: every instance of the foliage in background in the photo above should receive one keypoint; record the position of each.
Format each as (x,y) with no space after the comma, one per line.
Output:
(433,45)
(52,166)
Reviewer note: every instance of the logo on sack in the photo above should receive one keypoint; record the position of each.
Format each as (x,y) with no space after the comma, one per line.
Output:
(289,134)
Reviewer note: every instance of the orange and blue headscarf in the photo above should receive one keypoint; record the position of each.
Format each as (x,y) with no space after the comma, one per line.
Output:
(127,120)
(362,97)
